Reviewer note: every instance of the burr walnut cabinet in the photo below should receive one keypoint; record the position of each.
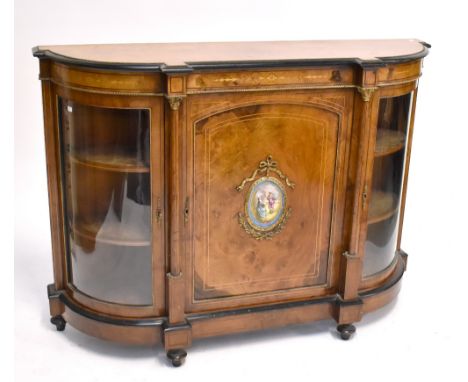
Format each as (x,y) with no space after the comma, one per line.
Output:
(203,189)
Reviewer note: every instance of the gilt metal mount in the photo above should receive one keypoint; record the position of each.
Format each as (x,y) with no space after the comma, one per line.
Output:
(265,206)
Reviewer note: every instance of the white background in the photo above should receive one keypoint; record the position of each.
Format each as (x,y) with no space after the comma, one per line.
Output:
(423,335)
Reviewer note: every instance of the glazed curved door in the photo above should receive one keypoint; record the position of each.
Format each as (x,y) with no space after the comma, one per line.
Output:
(112,171)
(388,175)
(266,184)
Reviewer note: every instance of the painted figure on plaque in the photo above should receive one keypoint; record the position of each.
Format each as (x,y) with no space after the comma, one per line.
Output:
(265,203)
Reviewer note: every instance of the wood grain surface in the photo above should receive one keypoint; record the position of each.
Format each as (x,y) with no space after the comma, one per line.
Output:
(313,106)
(180,54)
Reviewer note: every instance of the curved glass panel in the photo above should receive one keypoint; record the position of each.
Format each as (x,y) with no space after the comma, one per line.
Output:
(106,171)
(387,182)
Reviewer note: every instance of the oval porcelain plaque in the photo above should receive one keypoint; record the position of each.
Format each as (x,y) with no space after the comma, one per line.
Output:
(265,204)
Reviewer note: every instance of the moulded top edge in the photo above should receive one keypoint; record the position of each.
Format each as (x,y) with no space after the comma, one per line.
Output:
(185,57)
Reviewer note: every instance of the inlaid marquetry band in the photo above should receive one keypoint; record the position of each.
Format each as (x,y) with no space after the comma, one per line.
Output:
(294,87)
(99,91)
(226,90)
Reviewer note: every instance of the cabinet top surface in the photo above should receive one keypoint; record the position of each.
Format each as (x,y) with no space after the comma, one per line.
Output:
(234,54)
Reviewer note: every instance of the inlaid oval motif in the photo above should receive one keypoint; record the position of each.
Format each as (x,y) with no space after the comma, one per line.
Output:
(265,204)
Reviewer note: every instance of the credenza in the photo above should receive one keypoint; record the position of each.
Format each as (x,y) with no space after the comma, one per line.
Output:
(204,189)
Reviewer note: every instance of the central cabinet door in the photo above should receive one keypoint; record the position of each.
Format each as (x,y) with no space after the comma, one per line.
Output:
(266,176)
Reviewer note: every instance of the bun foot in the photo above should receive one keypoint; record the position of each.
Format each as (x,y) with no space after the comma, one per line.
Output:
(177,356)
(59,323)
(346,331)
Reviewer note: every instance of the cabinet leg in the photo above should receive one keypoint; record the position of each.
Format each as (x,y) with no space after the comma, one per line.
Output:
(177,356)
(346,331)
(59,322)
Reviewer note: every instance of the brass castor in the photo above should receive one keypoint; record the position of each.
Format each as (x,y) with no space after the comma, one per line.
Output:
(177,356)
(346,331)
(59,323)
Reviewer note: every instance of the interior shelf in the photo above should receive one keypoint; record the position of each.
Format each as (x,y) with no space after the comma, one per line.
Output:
(115,234)
(389,142)
(111,160)
(382,206)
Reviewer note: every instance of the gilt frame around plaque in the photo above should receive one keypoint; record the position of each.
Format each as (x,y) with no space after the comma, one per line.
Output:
(265,207)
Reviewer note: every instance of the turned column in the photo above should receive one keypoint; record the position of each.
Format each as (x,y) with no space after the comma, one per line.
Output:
(177,331)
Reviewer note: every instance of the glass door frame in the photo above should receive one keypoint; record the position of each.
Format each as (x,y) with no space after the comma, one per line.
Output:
(155,106)
(382,93)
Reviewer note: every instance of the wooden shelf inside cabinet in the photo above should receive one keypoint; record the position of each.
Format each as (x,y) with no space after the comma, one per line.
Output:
(389,142)
(382,206)
(114,234)
(111,160)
